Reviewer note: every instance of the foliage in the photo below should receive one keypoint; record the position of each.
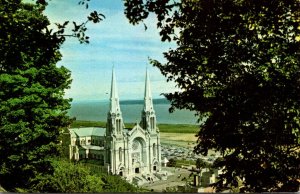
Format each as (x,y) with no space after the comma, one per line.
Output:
(69,177)
(79,123)
(65,142)
(200,163)
(171,163)
(95,165)
(77,177)
(177,128)
(180,163)
(114,183)
(111,183)
(78,29)
(236,63)
(2,190)
(32,108)
(217,162)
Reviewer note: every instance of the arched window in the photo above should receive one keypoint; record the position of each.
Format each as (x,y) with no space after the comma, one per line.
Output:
(154,150)
(120,154)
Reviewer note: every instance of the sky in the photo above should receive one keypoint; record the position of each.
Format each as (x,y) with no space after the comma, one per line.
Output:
(113,42)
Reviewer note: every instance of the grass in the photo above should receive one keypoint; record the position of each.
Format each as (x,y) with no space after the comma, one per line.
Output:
(180,163)
(77,124)
(178,128)
(187,140)
(165,128)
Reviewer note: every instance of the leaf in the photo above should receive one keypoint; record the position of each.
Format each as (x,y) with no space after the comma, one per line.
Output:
(65,23)
(236,63)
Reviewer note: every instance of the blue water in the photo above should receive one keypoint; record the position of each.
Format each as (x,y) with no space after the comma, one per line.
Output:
(131,111)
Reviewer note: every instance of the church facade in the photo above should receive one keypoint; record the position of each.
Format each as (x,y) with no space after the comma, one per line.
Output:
(131,153)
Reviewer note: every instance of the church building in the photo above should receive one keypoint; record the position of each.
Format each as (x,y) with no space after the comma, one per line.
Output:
(132,153)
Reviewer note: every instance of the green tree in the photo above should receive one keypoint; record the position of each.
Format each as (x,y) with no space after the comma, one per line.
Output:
(32,108)
(237,65)
(78,177)
(115,183)
(171,163)
(200,163)
(69,177)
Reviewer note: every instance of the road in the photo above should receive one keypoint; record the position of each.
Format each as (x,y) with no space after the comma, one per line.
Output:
(173,180)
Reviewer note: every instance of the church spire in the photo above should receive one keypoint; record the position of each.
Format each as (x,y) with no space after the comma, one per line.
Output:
(114,99)
(115,123)
(148,113)
(148,104)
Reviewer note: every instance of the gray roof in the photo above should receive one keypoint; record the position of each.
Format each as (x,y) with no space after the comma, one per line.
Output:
(88,131)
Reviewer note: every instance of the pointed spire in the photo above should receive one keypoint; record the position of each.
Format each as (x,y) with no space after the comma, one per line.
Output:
(115,123)
(148,114)
(114,99)
(148,104)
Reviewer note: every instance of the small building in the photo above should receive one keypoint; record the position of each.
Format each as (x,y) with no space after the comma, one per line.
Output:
(88,142)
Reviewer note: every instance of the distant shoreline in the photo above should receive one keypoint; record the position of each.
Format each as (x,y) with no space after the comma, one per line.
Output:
(127,101)
(165,128)
(96,110)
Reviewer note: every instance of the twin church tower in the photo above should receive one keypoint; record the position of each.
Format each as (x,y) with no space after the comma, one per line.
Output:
(115,124)
(132,153)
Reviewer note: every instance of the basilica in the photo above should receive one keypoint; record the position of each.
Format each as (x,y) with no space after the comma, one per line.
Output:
(132,153)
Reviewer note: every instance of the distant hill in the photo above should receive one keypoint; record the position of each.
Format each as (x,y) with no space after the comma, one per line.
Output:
(96,110)
(155,101)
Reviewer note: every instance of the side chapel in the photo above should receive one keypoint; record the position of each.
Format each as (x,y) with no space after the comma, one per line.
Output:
(131,153)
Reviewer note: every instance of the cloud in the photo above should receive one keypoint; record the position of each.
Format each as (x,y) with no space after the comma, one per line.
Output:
(113,41)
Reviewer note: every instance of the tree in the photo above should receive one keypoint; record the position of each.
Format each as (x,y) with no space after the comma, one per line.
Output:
(115,183)
(237,65)
(171,163)
(69,177)
(200,163)
(32,108)
(78,177)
